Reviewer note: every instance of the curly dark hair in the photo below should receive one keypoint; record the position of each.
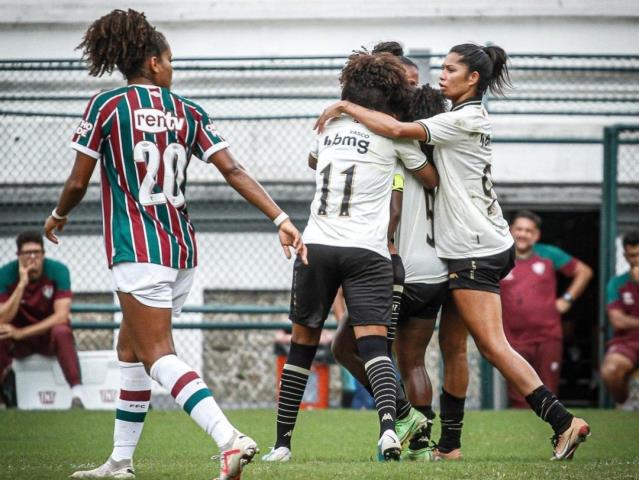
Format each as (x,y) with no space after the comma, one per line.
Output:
(376,81)
(123,40)
(427,102)
(394,48)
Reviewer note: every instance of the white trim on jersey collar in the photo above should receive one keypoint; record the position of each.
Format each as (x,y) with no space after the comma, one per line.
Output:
(471,101)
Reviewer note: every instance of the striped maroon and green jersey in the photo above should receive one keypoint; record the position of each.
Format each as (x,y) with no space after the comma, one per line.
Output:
(144,137)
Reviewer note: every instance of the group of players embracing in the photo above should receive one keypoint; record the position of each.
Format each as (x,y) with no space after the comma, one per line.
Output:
(386,138)
(407,227)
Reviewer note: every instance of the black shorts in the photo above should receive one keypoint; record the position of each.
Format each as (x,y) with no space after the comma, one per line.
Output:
(422,300)
(366,279)
(480,273)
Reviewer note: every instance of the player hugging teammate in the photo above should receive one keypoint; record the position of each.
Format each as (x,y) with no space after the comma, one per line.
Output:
(347,244)
(470,233)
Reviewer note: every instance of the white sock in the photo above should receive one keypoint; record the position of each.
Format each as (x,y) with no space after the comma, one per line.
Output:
(76,391)
(192,394)
(131,408)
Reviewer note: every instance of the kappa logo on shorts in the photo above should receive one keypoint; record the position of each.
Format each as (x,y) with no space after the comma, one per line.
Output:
(453,276)
(152,120)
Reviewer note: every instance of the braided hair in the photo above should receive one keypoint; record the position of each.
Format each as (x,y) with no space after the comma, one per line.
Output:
(123,40)
(376,81)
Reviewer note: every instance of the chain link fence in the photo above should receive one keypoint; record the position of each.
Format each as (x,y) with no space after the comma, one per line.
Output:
(265,107)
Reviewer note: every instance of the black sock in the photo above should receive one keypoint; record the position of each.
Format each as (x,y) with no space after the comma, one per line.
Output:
(550,409)
(398,288)
(381,375)
(402,404)
(423,439)
(452,416)
(426,410)
(294,377)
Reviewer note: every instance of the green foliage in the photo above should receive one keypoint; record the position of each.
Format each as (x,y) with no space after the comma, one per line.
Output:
(327,445)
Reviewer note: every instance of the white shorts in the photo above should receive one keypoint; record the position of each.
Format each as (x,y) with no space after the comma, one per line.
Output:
(154,285)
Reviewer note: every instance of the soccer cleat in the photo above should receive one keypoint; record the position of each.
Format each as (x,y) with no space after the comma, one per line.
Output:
(419,448)
(279,454)
(109,469)
(424,454)
(388,447)
(454,455)
(234,459)
(564,445)
(408,426)
(76,403)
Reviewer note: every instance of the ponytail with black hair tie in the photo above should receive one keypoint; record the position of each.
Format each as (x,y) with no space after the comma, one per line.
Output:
(492,67)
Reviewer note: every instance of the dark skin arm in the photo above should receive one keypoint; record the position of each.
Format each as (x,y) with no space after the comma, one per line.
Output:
(427,176)
(395,215)
(312,162)
(243,182)
(74,189)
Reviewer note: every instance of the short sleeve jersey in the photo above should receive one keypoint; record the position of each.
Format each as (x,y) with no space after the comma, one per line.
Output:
(353,183)
(415,239)
(38,297)
(468,218)
(622,293)
(529,293)
(144,137)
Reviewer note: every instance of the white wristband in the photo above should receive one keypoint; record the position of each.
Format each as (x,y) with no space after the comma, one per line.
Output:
(281,218)
(57,216)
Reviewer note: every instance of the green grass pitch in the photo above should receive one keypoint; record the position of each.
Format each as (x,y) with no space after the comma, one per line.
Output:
(328,444)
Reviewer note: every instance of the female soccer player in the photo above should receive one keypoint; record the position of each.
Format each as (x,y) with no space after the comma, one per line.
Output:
(144,136)
(347,244)
(470,231)
(344,347)
(413,425)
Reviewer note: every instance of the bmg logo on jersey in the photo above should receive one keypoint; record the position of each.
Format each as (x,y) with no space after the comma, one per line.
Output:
(347,140)
(151,120)
(84,128)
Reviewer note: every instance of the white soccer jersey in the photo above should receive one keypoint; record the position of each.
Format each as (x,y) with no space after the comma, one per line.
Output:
(415,233)
(353,181)
(468,218)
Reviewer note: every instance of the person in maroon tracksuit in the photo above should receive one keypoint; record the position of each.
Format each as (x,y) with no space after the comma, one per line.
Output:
(532,312)
(35,304)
